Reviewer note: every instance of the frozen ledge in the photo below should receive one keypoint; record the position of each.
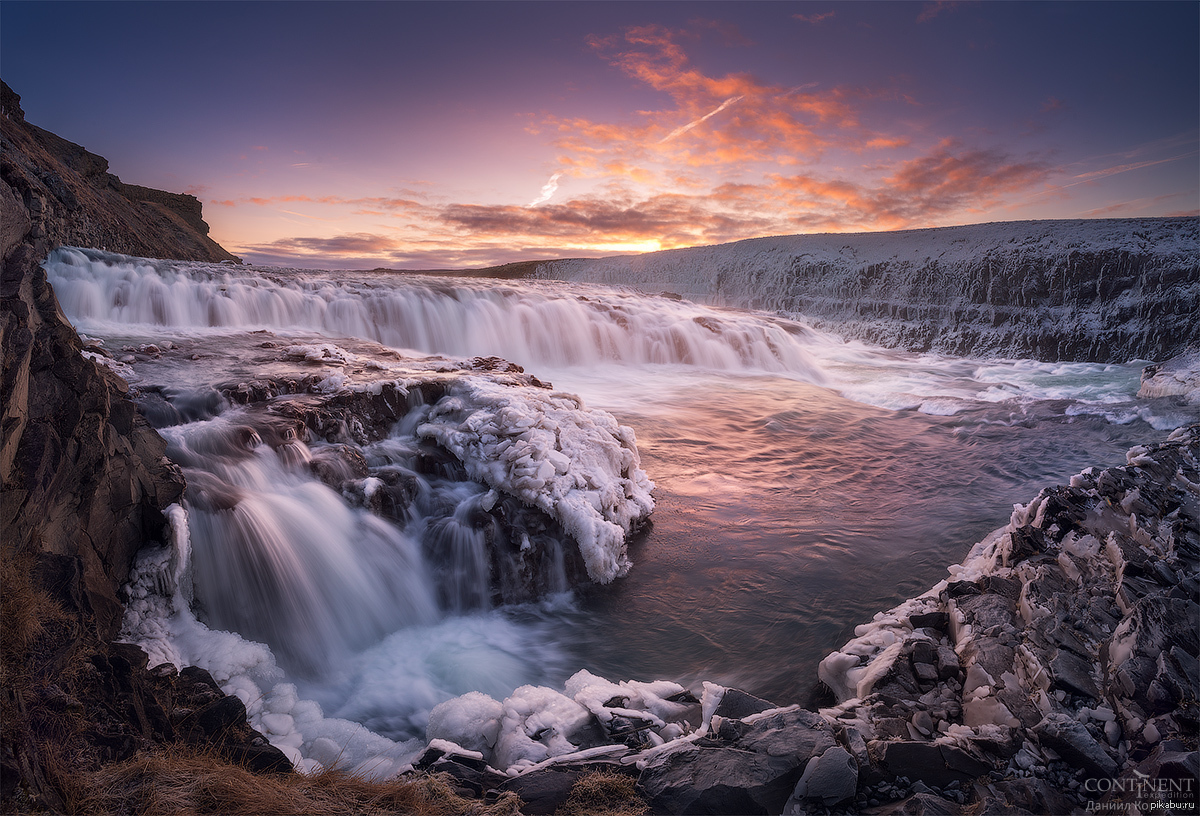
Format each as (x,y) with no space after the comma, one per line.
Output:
(575,464)
(1179,376)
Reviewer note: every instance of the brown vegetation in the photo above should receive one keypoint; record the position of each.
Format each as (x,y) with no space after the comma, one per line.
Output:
(171,781)
(603,793)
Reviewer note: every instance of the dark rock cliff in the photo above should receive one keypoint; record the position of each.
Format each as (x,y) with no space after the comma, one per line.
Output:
(56,192)
(83,483)
(84,477)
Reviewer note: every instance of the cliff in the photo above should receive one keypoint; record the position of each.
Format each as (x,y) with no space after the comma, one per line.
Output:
(1087,291)
(83,483)
(56,192)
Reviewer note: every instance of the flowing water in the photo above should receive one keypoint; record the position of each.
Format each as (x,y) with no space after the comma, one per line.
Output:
(802,483)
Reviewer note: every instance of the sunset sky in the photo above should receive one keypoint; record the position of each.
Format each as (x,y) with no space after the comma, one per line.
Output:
(433,135)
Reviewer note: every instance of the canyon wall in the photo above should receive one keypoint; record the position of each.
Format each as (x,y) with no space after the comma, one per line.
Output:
(1087,291)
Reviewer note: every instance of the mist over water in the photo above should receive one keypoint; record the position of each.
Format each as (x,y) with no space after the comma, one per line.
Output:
(802,483)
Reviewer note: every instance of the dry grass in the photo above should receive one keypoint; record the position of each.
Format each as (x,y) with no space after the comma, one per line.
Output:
(174,781)
(28,615)
(602,793)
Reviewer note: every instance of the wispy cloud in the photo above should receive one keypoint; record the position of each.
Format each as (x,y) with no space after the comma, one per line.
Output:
(931,10)
(685,128)
(548,191)
(814,19)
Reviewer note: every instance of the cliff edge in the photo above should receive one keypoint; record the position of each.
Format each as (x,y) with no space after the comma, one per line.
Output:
(56,192)
(84,481)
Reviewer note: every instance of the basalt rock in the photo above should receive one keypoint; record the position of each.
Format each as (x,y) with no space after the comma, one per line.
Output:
(750,768)
(83,481)
(56,192)
(1097,290)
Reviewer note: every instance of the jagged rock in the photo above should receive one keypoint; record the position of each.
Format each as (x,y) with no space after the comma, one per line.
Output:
(936,765)
(544,791)
(947,663)
(700,779)
(1026,797)
(923,651)
(1069,672)
(990,654)
(920,804)
(754,771)
(985,611)
(930,620)
(962,589)
(736,704)
(1073,742)
(1156,625)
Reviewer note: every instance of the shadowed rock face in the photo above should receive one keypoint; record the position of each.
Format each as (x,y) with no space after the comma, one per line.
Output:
(83,477)
(56,192)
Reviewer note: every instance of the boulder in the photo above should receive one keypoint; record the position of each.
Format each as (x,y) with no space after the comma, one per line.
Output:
(829,779)
(935,765)
(1071,740)
(736,704)
(753,767)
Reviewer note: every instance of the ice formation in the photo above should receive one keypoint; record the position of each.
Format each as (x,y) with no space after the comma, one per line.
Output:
(577,465)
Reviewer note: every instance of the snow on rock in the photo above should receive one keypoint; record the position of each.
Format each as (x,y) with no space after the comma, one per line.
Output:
(577,465)
(1095,290)
(1179,376)
(536,724)
(471,721)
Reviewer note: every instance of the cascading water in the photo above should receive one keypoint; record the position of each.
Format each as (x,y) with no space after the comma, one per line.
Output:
(281,558)
(547,325)
(779,483)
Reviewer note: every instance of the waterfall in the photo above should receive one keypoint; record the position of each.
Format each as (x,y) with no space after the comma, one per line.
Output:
(280,557)
(533,324)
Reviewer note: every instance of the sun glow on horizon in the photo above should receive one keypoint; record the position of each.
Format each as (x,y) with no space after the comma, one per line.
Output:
(621,128)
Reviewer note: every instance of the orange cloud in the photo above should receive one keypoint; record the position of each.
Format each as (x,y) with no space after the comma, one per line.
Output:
(726,158)
(733,121)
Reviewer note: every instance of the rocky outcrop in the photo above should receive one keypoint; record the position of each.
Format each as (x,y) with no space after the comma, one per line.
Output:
(56,192)
(83,483)
(1103,290)
(84,477)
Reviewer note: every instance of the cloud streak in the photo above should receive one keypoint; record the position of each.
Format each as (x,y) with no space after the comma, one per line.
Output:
(548,191)
(685,128)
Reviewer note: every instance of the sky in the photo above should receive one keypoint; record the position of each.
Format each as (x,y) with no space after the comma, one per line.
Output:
(350,135)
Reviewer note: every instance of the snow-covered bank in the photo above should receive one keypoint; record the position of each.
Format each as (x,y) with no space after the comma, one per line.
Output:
(1096,290)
